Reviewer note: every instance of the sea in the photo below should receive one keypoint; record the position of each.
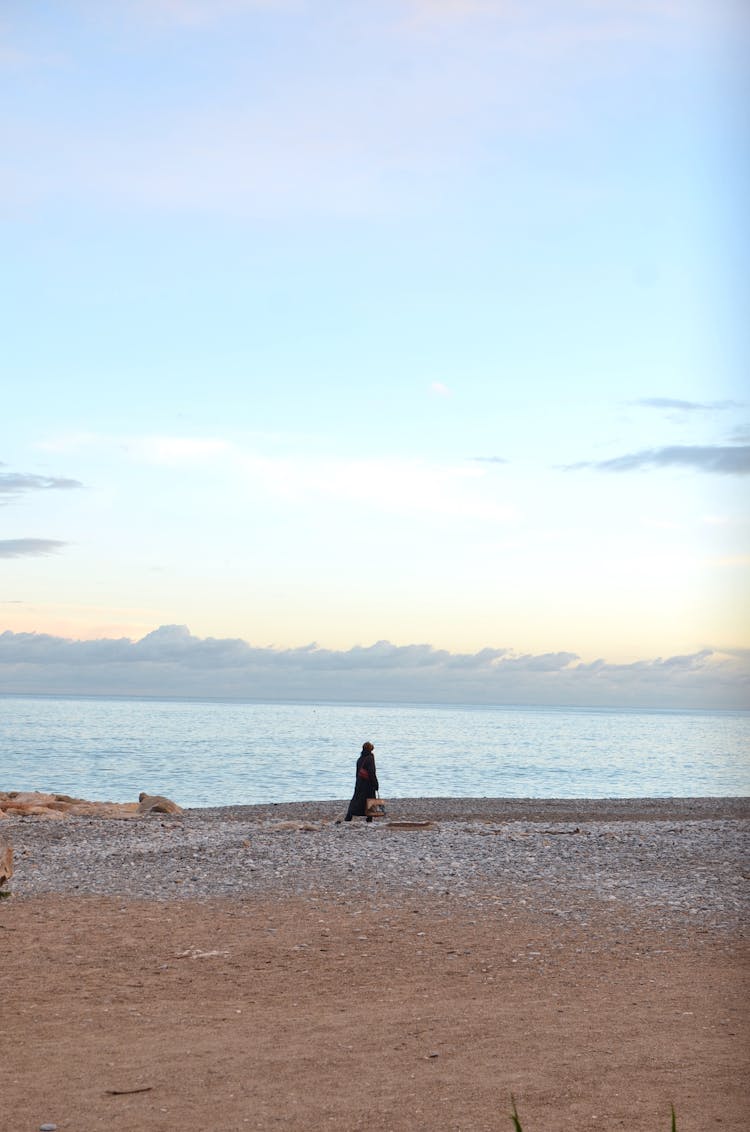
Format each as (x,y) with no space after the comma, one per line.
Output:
(208,752)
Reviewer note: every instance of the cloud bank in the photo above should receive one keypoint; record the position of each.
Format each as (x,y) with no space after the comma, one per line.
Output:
(172,662)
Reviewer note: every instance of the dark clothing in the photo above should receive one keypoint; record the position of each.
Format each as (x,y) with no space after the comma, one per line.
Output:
(365,786)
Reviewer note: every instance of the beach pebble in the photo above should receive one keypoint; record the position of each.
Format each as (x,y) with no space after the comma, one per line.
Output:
(47,1128)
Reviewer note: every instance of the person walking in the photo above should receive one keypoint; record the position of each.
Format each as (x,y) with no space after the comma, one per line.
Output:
(365,783)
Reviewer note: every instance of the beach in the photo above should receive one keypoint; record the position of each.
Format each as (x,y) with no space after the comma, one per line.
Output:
(270,967)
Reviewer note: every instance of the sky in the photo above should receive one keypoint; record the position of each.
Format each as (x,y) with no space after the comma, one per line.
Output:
(376,351)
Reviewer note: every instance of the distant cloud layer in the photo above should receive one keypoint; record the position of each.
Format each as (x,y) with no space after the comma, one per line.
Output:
(28,547)
(172,662)
(730,460)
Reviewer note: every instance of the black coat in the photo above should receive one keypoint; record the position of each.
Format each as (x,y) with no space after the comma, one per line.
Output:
(365,785)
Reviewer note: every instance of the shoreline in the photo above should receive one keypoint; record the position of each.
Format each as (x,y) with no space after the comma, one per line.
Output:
(452,808)
(457,807)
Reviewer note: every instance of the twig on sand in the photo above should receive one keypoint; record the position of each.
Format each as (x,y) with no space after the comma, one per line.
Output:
(125,1092)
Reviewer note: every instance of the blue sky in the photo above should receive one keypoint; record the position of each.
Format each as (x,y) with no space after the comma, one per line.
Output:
(417,321)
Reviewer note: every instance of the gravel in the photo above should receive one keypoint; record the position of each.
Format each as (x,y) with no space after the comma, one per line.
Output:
(673,861)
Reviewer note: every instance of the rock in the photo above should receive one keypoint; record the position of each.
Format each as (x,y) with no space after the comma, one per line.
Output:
(21,802)
(104,810)
(28,798)
(6,863)
(43,812)
(157,804)
(36,804)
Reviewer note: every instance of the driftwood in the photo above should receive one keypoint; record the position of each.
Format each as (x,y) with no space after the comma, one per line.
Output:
(127,1092)
(411,825)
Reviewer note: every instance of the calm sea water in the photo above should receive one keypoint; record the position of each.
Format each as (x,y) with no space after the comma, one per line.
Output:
(207,753)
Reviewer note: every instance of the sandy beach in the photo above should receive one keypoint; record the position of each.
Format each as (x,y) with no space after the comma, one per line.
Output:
(265,967)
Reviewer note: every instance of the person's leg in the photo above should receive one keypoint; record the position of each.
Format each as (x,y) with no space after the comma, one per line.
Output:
(355,807)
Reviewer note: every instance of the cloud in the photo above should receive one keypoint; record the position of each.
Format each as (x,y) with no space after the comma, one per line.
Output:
(172,662)
(568,23)
(149,449)
(428,11)
(12,58)
(14,484)
(686,406)
(176,449)
(731,460)
(28,547)
(489,459)
(395,486)
(438,389)
(17,483)
(192,13)
(392,485)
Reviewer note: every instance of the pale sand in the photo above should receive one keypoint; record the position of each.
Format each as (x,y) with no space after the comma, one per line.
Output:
(403,1010)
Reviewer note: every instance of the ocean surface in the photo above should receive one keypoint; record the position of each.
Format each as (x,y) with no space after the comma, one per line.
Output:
(205,753)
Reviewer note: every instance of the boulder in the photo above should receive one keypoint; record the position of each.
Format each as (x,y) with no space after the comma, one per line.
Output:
(18,804)
(117,810)
(156,804)
(6,863)
(41,812)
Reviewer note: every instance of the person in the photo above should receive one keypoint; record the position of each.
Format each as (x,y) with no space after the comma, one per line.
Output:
(365,783)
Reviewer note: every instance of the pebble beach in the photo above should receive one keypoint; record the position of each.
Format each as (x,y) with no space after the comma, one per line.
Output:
(672,860)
